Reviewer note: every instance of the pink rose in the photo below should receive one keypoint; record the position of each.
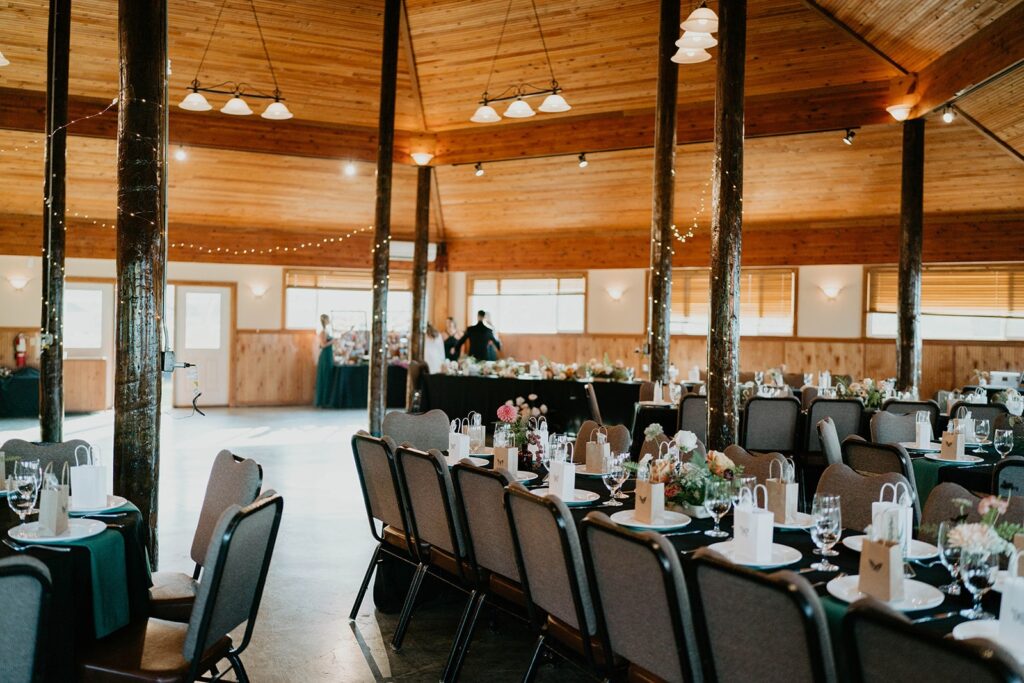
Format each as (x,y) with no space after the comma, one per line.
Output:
(989,502)
(507,413)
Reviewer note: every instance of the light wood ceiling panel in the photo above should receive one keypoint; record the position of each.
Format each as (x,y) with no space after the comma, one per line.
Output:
(326,54)
(999,106)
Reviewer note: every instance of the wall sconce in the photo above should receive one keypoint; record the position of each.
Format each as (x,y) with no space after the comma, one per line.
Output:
(258,290)
(615,293)
(831,292)
(422,158)
(18,282)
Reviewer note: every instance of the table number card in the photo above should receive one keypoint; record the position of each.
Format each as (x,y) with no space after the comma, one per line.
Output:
(562,480)
(650,501)
(952,446)
(506,458)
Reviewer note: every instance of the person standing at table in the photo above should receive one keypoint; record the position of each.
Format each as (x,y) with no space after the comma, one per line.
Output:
(451,340)
(433,350)
(484,343)
(324,363)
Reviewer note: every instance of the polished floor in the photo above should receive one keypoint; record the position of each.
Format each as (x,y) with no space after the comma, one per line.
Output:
(303,632)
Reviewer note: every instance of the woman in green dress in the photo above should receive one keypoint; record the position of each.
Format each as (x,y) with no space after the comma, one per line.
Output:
(325,365)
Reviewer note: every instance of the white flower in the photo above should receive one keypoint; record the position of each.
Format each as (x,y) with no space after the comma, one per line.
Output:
(543,409)
(520,400)
(686,440)
(532,397)
(652,430)
(535,412)
(978,538)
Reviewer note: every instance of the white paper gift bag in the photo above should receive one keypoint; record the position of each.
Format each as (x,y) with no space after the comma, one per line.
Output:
(1011,609)
(753,528)
(506,458)
(562,479)
(88,481)
(598,449)
(924,434)
(53,505)
(894,512)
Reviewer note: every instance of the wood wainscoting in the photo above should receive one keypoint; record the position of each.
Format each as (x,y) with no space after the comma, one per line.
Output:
(275,367)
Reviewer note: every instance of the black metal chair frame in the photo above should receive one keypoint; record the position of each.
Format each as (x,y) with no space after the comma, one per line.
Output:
(39,655)
(1000,407)
(1009,462)
(900,453)
(929,405)
(745,423)
(595,408)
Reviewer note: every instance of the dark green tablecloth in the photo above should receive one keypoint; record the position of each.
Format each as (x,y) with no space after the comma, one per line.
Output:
(19,394)
(350,386)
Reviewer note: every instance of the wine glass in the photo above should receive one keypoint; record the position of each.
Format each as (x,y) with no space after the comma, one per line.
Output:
(613,478)
(759,378)
(827,529)
(981,433)
(622,458)
(23,487)
(476,438)
(808,378)
(978,572)
(717,501)
(1003,441)
(949,555)
(740,483)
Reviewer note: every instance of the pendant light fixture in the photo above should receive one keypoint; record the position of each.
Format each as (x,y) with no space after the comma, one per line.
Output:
(516,95)
(702,19)
(697,38)
(900,112)
(236,106)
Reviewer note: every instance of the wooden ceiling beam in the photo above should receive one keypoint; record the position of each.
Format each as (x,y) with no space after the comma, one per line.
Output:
(1003,144)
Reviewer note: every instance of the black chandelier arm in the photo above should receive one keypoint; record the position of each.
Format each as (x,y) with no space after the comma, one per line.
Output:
(497,50)
(520,93)
(239,89)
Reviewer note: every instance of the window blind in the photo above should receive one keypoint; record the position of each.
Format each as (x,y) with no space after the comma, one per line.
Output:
(353,279)
(985,291)
(764,293)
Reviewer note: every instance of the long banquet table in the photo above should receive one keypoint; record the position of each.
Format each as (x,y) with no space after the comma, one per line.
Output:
(349,386)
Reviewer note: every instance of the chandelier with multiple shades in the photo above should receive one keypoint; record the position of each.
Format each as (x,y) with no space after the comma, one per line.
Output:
(697,38)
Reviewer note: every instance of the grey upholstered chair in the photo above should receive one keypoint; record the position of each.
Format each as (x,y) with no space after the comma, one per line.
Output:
(25,596)
(729,599)
(618,438)
(755,464)
(233,481)
(877,458)
(693,415)
(893,428)
(46,453)
(951,501)
(595,409)
(652,447)
(882,646)
(895,405)
(807,396)
(433,523)
(1007,421)
(646,391)
(1008,476)
(845,413)
(770,424)
(980,411)
(230,590)
(652,628)
(856,491)
(551,567)
(423,432)
(829,440)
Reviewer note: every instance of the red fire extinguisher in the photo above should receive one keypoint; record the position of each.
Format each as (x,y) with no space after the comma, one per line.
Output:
(20,348)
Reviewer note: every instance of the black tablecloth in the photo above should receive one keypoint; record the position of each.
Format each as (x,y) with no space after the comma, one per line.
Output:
(19,394)
(566,400)
(646,415)
(350,387)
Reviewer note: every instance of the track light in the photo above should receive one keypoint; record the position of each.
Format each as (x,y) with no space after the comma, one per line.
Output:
(583,160)
(948,114)
(479,169)
(850,134)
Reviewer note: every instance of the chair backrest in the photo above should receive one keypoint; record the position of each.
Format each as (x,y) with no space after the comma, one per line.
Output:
(423,432)
(651,627)
(595,409)
(856,491)
(45,453)
(729,600)
(883,646)
(770,424)
(652,447)
(236,564)
(25,596)
(430,499)
(480,496)
(887,427)
(829,440)
(945,503)
(646,391)
(693,415)
(1008,476)
(549,558)
(895,405)
(378,480)
(755,464)
(619,439)
(233,481)
(980,411)
(845,413)
(878,458)
(807,396)
(1008,421)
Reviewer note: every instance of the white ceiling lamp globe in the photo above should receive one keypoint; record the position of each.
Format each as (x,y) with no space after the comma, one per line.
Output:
(485,114)
(3,60)
(519,109)
(276,111)
(422,158)
(688,55)
(702,19)
(900,112)
(696,40)
(236,106)
(553,104)
(195,101)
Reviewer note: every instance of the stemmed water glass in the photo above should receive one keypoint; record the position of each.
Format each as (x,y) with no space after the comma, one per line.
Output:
(949,555)
(981,433)
(614,475)
(978,571)
(717,501)
(808,378)
(621,459)
(1003,441)
(827,529)
(759,378)
(740,483)
(23,487)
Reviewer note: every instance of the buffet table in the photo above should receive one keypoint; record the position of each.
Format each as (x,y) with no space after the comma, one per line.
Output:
(19,394)
(350,386)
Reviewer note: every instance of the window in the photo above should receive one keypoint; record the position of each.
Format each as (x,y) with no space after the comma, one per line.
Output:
(202,320)
(83,318)
(525,305)
(957,302)
(766,301)
(346,296)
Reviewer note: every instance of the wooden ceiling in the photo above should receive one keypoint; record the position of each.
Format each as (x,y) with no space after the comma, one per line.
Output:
(1000,107)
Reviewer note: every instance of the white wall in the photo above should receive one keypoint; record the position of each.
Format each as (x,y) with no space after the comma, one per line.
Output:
(616,301)
(820,316)
(20,308)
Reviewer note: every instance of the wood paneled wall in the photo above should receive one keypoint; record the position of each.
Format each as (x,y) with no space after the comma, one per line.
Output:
(275,368)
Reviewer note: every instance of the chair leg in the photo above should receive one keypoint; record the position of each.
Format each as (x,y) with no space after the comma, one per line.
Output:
(463,637)
(366,582)
(236,664)
(534,660)
(410,601)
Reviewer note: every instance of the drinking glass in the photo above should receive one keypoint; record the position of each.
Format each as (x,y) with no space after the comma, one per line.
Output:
(675,392)
(23,487)
(623,471)
(978,572)
(758,378)
(949,555)
(740,483)
(502,436)
(477,436)
(717,501)
(1003,442)
(613,478)
(981,433)
(808,378)
(827,529)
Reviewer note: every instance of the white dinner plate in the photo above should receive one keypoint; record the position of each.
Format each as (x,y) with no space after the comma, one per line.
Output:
(77,529)
(485,452)
(912,447)
(919,550)
(581,471)
(525,476)
(988,629)
(479,462)
(966,460)
(580,497)
(113,502)
(782,555)
(662,404)
(669,519)
(801,521)
(916,595)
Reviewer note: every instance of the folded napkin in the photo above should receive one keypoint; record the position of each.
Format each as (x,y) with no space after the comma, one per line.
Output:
(109,580)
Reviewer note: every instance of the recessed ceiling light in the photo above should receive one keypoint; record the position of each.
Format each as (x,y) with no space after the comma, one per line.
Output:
(350,169)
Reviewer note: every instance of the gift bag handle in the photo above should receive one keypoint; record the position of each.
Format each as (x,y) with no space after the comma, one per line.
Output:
(895,488)
(600,430)
(762,489)
(771,469)
(65,474)
(88,454)
(469,418)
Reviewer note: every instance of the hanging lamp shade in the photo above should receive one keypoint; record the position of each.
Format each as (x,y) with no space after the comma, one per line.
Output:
(236,106)
(900,112)
(276,111)
(3,60)
(553,104)
(519,109)
(687,55)
(195,101)
(485,114)
(696,40)
(702,19)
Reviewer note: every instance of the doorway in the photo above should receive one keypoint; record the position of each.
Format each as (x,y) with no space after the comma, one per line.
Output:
(201,323)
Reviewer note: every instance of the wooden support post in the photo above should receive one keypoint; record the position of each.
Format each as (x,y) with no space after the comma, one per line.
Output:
(141,153)
(660,303)
(51,358)
(382,216)
(726,227)
(419,274)
(908,333)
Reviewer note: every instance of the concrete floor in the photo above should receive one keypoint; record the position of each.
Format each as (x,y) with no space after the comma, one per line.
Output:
(303,632)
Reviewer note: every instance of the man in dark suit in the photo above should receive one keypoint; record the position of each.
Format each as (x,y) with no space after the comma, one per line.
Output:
(483,342)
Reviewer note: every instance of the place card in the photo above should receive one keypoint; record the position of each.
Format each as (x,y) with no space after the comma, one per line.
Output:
(506,458)
(650,501)
(952,446)
(562,479)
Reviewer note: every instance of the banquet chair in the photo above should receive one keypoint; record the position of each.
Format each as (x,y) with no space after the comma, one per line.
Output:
(829,440)
(980,411)
(893,428)
(857,492)
(424,431)
(793,379)
(878,458)
(230,590)
(595,409)
(693,415)
(646,391)
(770,424)
(652,629)
(652,448)
(846,414)
(385,504)
(618,438)
(433,525)
(755,464)
(1008,476)
(24,617)
(46,453)
(895,405)
(550,562)
(790,642)
(947,501)
(233,481)
(883,646)
(1008,421)
(807,396)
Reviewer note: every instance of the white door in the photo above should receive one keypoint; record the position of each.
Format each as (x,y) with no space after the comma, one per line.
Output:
(202,332)
(89,326)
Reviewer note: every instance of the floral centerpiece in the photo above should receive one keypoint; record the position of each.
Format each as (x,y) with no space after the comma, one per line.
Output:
(606,369)
(1014,402)
(989,534)
(517,414)
(685,472)
(868,390)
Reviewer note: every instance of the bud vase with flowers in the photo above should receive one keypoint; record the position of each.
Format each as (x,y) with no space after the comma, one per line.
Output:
(515,416)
